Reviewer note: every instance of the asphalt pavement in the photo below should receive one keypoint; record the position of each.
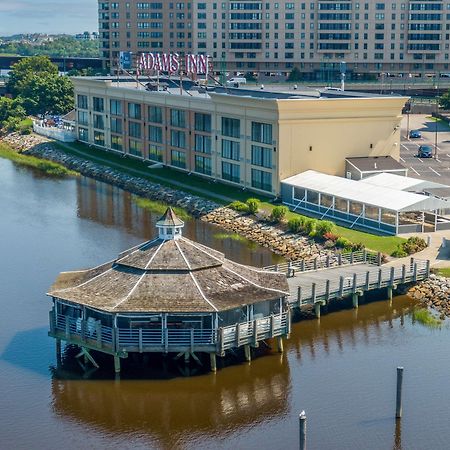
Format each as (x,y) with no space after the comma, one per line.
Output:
(433,169)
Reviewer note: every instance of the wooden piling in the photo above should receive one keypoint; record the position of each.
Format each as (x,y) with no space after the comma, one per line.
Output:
(280,344)
(116,364)
(212,359)
(317,309)
(355,300)
(302,426)
(248,355)
(398,408)
(58,352)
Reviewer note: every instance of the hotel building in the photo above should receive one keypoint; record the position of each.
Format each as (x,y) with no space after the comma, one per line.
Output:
(249,138)
(373,37)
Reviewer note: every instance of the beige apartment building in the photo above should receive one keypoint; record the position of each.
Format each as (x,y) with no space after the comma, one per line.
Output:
(372,37)
(248,138)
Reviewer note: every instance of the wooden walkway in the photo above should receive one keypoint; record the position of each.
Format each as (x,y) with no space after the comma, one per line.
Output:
(320,286)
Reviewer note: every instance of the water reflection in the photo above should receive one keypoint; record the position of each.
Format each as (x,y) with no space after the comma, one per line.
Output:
(168,411)
(114,207)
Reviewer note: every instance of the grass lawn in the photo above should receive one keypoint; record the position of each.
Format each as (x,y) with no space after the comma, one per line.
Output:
(220,193)
(49,167)
(445,272)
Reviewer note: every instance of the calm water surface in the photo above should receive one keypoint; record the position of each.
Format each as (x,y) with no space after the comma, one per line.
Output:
(341,370)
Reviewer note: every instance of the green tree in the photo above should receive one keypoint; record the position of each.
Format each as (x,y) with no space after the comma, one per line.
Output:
(27,68)
(11,108)
(37,85)
(295,75)
(444,100)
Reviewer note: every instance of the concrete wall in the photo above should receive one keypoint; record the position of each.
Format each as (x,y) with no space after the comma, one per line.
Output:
(320,134)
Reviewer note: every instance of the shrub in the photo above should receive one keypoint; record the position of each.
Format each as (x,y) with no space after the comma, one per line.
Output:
(296,224)
(414,244)
(323,227)
(342,242)
(399,252)
(278,213)
(238,206)
(309,226)
(252,205)
(330,237)
(357,246)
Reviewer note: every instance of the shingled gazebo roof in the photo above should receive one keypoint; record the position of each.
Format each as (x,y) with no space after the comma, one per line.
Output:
(174,275)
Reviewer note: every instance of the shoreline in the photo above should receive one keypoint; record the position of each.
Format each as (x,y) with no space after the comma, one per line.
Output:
(281,242)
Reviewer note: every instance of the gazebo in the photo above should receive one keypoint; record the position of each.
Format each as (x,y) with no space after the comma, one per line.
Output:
(169,295)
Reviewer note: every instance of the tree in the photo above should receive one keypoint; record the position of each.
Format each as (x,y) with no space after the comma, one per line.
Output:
(295,75)
(34,66)
(10,108)
(444,100)
(36,83)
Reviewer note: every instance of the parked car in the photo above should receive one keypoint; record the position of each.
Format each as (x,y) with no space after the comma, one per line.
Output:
(415,134)
(425,151)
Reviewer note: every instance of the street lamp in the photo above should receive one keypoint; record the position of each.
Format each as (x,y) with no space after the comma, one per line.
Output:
(436,118)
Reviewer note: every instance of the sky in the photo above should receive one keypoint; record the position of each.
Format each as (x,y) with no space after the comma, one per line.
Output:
(47,16)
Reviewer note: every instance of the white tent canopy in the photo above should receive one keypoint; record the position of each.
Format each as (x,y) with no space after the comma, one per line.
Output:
(364,192)
(400,183)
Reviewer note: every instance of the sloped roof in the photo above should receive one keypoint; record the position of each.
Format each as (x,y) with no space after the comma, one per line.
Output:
(169,219)
(362,192)
(169,276)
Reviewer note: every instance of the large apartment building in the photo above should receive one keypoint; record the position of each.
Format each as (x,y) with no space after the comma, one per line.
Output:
(372,37)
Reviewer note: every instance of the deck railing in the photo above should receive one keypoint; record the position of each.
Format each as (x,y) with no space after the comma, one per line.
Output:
(360,282)
(327,261)
(95,335)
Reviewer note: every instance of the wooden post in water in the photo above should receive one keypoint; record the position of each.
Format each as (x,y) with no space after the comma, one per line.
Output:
(398,407)
(212,359)
(317,309)
(58,353)
(302,423)
(355,300)
(116,364)
(280,344)
(248,355)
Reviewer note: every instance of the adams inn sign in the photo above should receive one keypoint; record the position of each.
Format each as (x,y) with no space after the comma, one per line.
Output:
(167,62)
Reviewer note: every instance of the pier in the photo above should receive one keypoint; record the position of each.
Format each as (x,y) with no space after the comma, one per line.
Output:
(318,281)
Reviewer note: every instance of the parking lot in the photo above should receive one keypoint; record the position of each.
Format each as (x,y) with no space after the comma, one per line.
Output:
(432,169)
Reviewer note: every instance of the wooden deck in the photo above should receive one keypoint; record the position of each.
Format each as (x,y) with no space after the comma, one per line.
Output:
(321,286)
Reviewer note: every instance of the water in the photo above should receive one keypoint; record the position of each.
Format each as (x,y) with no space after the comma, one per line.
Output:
(341,370)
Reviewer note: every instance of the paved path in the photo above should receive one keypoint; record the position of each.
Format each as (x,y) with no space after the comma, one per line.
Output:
(146,174)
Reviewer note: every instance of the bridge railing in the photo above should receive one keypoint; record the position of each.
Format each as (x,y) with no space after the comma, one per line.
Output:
(327,261)
(360,282)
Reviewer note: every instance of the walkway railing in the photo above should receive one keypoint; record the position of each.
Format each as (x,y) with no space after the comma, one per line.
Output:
(303,293)
(93,334)
(325,262)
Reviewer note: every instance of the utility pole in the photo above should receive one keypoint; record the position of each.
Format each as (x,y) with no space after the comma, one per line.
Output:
(436,117)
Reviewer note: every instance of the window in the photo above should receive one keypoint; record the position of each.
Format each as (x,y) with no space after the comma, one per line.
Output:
(155,134)
(231,172)
(261,180)
(155,114)
(83,134)
(82,101)
(231,127)
(134,129)
(135,147)
(202,143)
(177,138)
(177,118)
(98,104)
(99,138)
(262,132)
(155,153)
(83,118)
(116,107)
(98,122)
(203,122)
(134,111)
(230,149)
(116,125)
(178,159)
(203,164)
(116,143)
(261,156)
